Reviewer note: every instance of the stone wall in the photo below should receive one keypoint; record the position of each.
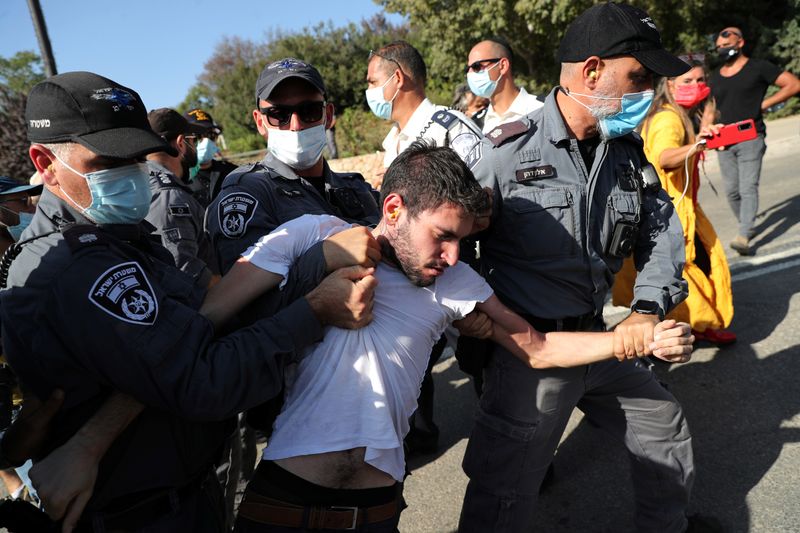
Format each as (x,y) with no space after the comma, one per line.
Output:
(369,165)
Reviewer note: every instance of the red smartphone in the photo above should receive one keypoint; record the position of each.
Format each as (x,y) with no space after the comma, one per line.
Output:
(733,134)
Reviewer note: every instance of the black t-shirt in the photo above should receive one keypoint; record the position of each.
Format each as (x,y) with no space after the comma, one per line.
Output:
(588,147)
(739,96)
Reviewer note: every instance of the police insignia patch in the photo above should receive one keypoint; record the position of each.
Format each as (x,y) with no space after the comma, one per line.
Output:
(235,211)
(463,144)
(124,292)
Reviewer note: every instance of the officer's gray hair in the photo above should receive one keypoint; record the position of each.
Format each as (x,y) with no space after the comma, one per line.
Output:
(61,150)
(427,177)
(568,70)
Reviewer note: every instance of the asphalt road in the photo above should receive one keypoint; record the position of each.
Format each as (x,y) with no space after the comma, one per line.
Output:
(742,401)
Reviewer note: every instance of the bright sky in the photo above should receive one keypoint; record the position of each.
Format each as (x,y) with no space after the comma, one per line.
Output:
(158,48)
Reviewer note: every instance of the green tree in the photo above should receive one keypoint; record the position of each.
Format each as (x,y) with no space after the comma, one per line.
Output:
(447,29)
(21,71)
(226,86)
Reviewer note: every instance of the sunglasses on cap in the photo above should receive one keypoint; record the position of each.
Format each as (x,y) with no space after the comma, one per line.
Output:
(727,33)
(481,64)
(280,115)
(372,54)
(694,56)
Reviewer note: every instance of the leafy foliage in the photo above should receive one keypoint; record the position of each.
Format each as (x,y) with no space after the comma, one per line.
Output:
(21,71)
(226,87)
(444,31)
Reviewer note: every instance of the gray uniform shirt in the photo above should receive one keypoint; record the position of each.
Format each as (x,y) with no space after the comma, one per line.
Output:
(178,219)
(545,253)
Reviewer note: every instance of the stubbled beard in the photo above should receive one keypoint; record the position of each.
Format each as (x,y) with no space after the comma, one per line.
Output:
(402,254)
(601,109)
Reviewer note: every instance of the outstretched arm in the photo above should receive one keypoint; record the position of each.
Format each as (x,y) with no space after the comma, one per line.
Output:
(568,349)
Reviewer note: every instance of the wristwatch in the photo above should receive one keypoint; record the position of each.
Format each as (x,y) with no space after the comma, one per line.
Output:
(647,307)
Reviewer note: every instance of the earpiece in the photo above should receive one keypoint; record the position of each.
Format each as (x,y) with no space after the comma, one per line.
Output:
(393,215)
(593,74)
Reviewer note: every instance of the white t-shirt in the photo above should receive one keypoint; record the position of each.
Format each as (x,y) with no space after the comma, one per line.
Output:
(357,388)
(523,104)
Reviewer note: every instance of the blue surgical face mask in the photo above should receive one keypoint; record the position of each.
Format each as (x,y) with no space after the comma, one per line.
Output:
(381,107)
(206,149)
(24,222)
(480,84)
(633,111)
(120,195)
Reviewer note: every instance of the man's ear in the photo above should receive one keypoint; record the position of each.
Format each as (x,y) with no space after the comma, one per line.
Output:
(393,207)
(505,66)
(591,72)
(329,111)
(43,160)
(261,125)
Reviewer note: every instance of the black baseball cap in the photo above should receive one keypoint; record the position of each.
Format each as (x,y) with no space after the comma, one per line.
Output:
(202,118)
(100,114)
(611,29)
(168,123)
(277,71)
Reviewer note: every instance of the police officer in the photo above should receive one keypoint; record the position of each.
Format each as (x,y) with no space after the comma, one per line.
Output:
(293,179)
(95,305)
(174,211)
(490,74)
(570,201)
(210,172)
(396,76)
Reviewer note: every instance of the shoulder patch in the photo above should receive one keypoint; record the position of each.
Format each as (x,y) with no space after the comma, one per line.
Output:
(444,118)
(474,156)
(234,212)
(124,292)
(83,235)
(164,178)
(180,210)
(463,145)
(505,131)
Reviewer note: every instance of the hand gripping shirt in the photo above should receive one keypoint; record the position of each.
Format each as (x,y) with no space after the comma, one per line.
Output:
(357,388)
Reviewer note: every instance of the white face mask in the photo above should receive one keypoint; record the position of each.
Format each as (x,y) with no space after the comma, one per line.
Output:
(298,149)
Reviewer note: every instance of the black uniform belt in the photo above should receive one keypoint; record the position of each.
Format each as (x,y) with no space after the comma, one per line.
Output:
(572,323)
(273,512)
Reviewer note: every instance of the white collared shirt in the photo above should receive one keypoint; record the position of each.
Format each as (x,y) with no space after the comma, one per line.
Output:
(523,104)
(398,140)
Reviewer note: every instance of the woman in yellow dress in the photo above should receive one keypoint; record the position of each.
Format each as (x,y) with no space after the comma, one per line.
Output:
(669,139)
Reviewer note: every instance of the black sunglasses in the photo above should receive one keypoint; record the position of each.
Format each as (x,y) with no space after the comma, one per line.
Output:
(481,64)
(280,115)
(692,57)
(727,33)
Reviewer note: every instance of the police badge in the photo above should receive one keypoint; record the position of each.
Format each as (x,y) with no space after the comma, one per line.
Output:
(235,211)
(124,292)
